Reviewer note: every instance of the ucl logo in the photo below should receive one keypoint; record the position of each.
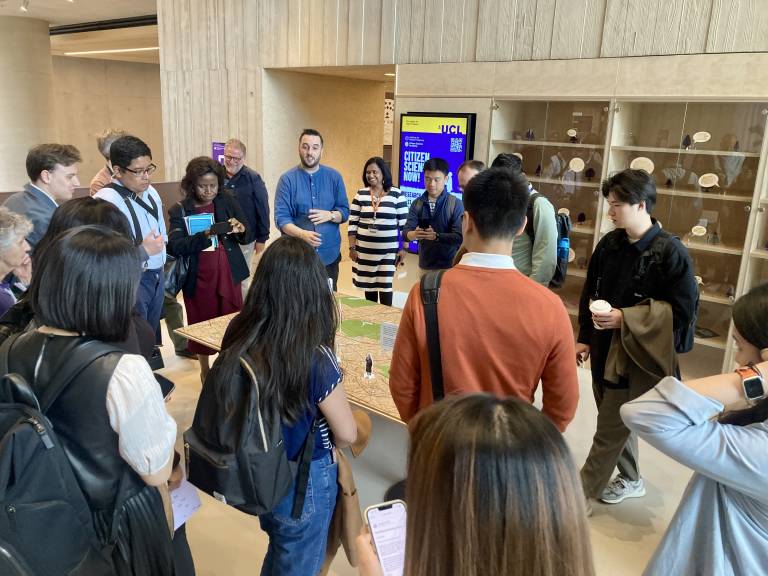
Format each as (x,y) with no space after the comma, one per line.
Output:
(450,129)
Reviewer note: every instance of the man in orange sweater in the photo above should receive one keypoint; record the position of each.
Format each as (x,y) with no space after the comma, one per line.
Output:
(500,332)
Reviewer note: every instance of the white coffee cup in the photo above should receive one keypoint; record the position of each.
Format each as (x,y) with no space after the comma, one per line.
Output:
(599,307)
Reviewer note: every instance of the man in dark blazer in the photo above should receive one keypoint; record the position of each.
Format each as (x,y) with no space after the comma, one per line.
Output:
(52,171)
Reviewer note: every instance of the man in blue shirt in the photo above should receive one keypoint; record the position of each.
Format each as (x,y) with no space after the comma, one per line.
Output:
(251,193)
(434,219)
(311,202)
(133,194)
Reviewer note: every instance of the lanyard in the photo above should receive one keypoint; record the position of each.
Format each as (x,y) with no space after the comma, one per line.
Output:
(375,202)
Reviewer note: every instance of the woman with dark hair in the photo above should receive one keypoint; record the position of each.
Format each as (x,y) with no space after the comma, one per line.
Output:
(287,328)
(376,219)
(111,418)
(216,263)
(492,489)
(717,426)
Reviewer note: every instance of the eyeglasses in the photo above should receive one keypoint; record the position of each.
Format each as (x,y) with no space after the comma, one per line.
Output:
(148,171)
(233,158)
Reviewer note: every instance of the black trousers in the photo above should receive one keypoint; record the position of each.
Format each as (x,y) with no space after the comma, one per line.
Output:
(332,270)
(383,297)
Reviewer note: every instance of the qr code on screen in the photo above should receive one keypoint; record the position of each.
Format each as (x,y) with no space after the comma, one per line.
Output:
(456,145)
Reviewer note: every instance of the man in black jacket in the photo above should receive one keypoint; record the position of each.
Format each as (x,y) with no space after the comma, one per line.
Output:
(250,191)
(635,262)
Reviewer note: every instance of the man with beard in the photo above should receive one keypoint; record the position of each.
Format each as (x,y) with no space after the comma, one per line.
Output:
(311,202)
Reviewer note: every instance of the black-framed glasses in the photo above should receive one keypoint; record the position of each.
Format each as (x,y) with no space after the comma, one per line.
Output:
(148,171)
(233,158)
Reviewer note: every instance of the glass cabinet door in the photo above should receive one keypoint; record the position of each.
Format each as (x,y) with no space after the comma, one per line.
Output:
(704,158)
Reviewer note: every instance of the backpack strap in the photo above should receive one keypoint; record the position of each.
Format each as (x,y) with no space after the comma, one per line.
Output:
(302,474)
(430,294)
(127,196)
(532,197)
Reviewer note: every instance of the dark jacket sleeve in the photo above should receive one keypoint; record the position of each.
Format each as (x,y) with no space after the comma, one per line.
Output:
(261,201)
(412,222)
(455,236)
(179,242)
(681,289)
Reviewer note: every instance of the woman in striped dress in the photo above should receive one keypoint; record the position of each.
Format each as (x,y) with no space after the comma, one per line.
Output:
(376,220)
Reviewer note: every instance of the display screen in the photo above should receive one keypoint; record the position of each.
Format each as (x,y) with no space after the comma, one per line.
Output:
(425,135)
(387,524)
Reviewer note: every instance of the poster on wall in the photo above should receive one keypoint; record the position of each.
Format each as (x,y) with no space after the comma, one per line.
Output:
(217,151)
(425,135)
(389,120)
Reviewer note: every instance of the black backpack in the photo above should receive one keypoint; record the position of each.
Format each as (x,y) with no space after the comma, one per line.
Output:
(46,525)
(563,222)
(235,451)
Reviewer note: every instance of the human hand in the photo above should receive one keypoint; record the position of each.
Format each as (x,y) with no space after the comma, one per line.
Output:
(400,258)
(609,320)
(367,561)
(431,234)
(422,234)
(312,238)
(24,270)
(177,475)
(317,216)
(153,243)
(582,353)
(237,226)
(352,254)
(259,247)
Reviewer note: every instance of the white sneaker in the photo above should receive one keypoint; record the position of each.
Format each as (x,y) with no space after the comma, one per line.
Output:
(621,488)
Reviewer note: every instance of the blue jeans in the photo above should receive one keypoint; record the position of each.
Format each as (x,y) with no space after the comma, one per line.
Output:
(149,300)
(297,546)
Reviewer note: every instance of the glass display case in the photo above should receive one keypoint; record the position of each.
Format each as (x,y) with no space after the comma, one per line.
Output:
(705,159)
(562,148)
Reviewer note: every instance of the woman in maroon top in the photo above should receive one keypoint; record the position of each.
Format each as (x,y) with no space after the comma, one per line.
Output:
(212,286)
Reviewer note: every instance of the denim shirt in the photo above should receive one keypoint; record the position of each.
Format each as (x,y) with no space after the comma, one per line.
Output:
(298,192)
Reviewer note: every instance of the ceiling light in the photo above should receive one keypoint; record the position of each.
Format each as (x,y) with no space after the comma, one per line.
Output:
(389,74)
(120,51)
(24,6)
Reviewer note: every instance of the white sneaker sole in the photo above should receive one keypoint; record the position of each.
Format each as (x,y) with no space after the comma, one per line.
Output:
(637,494)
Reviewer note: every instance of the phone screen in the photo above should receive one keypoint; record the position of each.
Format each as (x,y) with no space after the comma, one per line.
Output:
(221,228)
(387,524)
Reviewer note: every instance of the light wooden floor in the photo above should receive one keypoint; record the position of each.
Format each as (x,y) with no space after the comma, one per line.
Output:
(226,542)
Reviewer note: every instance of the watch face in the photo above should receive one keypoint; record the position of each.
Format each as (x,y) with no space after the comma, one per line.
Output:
(753,388)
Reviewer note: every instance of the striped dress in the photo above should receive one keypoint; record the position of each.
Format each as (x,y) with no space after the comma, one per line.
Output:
(377,245)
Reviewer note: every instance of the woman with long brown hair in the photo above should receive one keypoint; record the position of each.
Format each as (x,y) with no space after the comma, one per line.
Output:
(492,489)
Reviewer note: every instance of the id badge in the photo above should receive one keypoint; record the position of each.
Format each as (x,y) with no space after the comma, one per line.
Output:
(372,228)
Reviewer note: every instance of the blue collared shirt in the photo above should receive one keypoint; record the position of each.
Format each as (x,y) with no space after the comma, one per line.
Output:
(299,191)
(147,222)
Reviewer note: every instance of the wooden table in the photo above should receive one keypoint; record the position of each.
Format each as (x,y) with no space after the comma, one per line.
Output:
(357,337)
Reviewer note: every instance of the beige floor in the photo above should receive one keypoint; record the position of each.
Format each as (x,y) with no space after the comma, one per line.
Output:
(227,542)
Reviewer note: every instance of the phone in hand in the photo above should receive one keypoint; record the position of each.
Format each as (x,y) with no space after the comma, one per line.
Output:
(386,522)
(220,228)
(166,386)
(424,223)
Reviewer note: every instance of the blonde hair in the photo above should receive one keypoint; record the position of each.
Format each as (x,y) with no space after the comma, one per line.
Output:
(492,489)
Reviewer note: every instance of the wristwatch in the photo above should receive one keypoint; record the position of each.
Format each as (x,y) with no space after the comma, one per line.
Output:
(753,383)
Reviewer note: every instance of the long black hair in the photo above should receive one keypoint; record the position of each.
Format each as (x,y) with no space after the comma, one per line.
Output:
(750,318)
(288,314)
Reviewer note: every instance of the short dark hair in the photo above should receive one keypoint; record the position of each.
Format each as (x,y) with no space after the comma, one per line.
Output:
(47,156)
(632,187)
(68,292)
(198,167)
(82,212)
(508,161)
(126,149)
(436,165)
(386,180)
(497,199)
(310,132)
(476,165)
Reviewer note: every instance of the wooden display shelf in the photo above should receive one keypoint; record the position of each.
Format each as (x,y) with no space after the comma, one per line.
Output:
(717,248)
(587,230)
(706,195)
(683,151)
(715,298)
(577,272)
(718,343)
(761,253)
(548,144)
(540,180)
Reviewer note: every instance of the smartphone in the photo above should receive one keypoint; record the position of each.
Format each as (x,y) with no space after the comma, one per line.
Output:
(220,228)
(386,522)
(423,223)
(166,386)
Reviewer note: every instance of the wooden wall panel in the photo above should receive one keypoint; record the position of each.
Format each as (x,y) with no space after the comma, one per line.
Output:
(213,52)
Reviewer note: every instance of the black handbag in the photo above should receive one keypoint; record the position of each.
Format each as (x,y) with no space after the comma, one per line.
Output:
(176,270)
